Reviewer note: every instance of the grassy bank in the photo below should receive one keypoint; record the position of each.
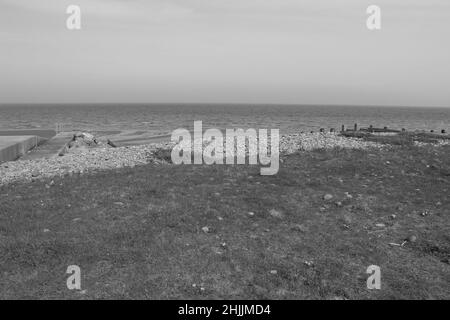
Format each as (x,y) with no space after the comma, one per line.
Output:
(163,231)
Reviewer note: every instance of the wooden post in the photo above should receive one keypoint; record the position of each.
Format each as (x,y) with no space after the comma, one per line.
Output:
(356,127)
(342,128)
(322,130)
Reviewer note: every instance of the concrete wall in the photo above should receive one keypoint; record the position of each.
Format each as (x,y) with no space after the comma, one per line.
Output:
(44,133)
(13,147)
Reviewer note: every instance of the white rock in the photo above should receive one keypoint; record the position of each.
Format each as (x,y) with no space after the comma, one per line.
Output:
(205,229)
(276,214)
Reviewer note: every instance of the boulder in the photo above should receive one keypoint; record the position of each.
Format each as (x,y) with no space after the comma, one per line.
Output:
(86,138)
(80,142)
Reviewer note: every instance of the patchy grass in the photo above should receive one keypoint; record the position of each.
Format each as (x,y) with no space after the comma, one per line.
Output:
(399,139)
(137,233)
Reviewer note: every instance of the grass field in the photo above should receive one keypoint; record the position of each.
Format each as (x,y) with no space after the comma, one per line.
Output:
(158,232)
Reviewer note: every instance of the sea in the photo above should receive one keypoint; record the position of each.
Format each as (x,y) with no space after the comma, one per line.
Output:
(161,119)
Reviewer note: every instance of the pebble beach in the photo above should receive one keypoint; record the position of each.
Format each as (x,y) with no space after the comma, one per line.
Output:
(104,157)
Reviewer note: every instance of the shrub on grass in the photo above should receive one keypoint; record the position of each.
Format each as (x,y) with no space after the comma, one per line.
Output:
(163,155)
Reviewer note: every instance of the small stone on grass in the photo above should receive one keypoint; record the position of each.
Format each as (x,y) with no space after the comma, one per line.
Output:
(327,197)
(206,230)
(276,214)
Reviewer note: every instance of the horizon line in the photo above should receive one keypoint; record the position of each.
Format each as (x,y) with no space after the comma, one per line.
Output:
(225,103)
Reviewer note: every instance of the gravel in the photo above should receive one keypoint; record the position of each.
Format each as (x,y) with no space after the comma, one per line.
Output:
(312,141)
(78,163)
(101,158)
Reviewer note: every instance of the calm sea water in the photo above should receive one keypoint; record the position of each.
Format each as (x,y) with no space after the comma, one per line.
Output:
(164,118)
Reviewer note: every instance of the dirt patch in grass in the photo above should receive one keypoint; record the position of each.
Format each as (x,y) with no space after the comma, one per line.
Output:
(207,232)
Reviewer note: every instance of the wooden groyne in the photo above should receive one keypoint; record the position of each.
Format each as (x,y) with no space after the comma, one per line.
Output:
(372,129)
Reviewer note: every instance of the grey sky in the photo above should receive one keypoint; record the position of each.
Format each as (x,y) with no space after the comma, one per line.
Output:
(267,51)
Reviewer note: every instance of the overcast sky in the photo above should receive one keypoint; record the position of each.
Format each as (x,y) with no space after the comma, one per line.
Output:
(255,51)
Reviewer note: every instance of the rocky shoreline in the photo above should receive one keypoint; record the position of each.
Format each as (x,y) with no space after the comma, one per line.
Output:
(103,156)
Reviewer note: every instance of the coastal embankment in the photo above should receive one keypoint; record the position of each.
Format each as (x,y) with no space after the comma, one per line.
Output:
(83,159)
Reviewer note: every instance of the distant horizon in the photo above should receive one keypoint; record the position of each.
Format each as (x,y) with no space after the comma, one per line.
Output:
(223,103)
